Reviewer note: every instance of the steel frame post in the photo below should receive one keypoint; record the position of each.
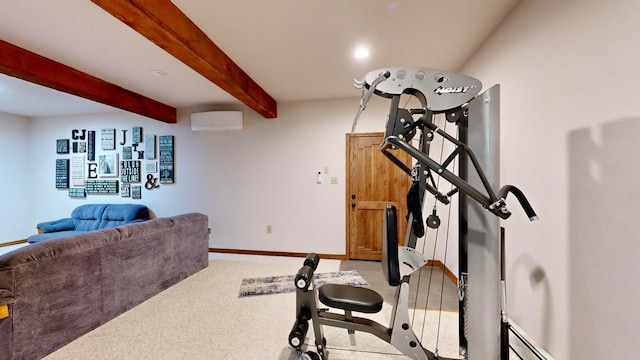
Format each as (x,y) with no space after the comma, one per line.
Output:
(479,233)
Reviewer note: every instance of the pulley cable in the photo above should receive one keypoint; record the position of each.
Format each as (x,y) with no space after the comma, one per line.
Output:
(435,246)
(446,248)
(437,184)
(424,242)
(444,266)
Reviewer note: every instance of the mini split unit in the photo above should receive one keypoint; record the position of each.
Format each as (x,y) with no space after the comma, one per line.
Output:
(216,121)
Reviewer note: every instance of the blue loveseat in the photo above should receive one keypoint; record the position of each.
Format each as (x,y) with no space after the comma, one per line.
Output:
(90,217)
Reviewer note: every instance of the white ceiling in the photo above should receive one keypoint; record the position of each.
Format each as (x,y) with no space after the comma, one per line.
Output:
(294,49)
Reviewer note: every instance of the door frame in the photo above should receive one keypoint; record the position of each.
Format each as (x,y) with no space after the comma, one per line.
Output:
(348,201)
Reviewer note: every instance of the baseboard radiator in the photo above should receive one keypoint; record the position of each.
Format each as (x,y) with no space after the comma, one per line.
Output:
(524,347)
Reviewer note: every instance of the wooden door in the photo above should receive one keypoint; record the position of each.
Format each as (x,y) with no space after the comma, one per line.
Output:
(373,182)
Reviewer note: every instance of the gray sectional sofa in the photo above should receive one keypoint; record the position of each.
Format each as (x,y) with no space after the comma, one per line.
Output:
(60,289)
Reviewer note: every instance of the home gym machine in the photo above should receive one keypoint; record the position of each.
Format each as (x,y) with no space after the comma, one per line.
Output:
(483,322)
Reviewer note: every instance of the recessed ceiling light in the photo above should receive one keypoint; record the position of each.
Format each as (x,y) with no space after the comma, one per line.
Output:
(361,53)
(158,72)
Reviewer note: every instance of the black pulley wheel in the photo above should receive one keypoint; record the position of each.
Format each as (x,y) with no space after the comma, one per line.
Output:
(433,221)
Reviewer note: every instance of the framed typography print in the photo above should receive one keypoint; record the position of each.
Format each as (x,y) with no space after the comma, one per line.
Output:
(165,159)
(62,173)
(108,139)
(62,146)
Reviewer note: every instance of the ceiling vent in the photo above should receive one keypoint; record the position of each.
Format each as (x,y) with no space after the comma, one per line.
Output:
(216,121)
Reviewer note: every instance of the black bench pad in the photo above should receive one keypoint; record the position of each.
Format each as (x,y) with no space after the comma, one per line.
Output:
(351,298)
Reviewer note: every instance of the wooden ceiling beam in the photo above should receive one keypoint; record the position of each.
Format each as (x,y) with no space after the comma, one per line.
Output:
(26,65)
(168,27)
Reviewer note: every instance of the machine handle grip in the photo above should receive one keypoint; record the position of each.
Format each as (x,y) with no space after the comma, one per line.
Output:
(528,209)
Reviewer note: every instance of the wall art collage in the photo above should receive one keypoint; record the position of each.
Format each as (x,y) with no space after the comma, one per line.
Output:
(112,162)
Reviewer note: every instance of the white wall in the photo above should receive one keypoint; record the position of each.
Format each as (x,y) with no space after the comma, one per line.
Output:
(570,127)
(14,190)
(49,203)
(262,175)
(243,180)
(266,175)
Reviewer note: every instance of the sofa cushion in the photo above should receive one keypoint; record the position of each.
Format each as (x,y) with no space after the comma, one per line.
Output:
(52,235)
(91,217)
(87,217)
(119,214)
(101,216)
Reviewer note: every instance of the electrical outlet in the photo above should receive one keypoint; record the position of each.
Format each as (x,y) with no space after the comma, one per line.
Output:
(334,180)
(268,229)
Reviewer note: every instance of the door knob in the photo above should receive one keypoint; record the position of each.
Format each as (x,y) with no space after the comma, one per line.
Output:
(353,196)
(353,205)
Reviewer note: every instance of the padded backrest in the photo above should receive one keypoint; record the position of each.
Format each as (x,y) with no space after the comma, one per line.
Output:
(101,216)
(118,214)
(87,217)
(390,264)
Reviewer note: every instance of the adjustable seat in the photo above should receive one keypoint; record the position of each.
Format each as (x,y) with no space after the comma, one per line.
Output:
(350,298)
(398,262)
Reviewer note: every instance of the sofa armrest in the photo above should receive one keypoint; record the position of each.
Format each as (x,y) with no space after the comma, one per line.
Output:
(56,225)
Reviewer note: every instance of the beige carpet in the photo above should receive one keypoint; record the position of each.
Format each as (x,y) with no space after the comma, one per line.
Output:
(435,290)
(203,318)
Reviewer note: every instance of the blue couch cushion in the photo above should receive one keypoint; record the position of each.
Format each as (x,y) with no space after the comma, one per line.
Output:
(52,235)
(118,214)
(88,217)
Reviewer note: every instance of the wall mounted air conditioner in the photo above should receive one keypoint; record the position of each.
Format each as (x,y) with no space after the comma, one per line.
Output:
(216,121)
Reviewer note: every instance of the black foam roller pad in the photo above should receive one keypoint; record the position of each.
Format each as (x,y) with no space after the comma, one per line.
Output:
(312,260)
(303,278)
(298,333)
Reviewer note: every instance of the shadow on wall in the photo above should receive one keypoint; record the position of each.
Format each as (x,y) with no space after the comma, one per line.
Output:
(604,241)
(539,283)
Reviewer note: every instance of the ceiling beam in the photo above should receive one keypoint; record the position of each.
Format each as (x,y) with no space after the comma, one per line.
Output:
(29,66)
(165,25)
(26,65)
